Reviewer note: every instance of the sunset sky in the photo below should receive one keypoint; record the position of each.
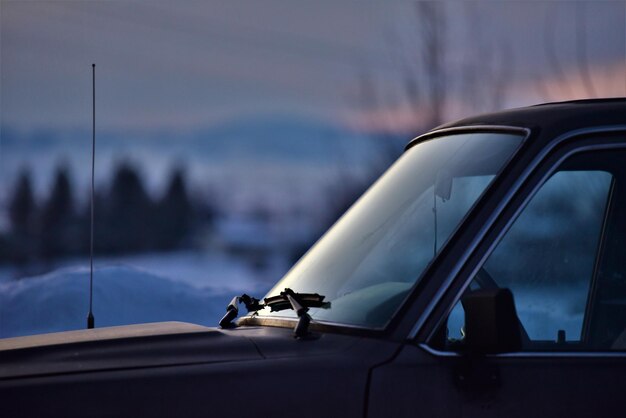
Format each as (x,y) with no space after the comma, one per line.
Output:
(183,65)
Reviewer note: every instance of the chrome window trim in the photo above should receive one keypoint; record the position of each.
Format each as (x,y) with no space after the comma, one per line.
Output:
(532,354)
(476,241)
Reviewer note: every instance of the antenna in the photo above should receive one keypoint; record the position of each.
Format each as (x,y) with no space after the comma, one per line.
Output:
(90,318)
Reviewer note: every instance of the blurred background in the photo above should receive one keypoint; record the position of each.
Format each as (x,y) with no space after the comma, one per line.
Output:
(230,136)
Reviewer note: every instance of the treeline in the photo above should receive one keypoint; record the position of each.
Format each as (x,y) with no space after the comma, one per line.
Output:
(127,218)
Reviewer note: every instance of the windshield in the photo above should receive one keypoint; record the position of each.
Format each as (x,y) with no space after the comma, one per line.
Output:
(366,264)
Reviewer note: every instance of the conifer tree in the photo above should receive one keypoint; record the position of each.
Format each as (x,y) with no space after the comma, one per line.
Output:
(20,245)
(57,229)
(22,204)
(175,213)
(130,214)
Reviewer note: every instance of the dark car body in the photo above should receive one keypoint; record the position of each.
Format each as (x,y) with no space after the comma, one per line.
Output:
(409,366)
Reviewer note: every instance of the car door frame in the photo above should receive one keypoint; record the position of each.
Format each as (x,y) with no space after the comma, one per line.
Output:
(459,272)
(550,365)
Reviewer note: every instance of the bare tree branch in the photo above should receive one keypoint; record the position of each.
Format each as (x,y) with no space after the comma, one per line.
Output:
(502,77)
(549,35)
(432,29)
(581,49)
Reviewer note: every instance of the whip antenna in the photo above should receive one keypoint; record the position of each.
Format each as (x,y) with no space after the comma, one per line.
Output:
(90,318)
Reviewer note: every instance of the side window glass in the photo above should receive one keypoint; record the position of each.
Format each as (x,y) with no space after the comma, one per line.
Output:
(548,259)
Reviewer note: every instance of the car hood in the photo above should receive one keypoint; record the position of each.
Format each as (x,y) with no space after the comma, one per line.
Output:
(153,345)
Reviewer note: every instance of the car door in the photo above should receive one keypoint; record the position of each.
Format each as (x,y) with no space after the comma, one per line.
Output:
(561,252)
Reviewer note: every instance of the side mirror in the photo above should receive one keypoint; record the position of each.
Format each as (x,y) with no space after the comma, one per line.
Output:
(491,322)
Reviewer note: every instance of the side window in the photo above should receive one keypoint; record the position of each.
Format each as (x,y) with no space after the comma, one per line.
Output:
(567,293)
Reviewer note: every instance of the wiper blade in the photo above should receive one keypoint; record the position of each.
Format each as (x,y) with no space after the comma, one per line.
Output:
(309,300)
(299,302)
(288,299)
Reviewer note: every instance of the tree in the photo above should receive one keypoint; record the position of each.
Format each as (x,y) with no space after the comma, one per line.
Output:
(175,213)
(22,204)
(431,80)
(569,87)
(20,245)
(129,216)
(59,229)
(431,15)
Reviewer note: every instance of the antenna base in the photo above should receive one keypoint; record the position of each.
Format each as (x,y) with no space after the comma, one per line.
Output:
(90,321)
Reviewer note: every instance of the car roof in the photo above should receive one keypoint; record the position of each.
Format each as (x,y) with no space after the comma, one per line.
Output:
(555,118)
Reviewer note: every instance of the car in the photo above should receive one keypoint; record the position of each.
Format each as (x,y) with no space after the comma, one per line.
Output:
(482,275)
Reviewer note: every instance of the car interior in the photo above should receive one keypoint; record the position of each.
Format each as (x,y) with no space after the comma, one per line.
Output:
(562,259)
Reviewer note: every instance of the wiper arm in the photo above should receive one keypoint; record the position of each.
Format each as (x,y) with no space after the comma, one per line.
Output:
(232,310)
(288,299)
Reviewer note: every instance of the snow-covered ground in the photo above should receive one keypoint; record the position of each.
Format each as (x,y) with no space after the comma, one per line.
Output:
(182,286)
(195,287)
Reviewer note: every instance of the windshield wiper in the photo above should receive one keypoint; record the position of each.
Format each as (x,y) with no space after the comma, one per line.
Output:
(287,299)
(299,302)
(232,310)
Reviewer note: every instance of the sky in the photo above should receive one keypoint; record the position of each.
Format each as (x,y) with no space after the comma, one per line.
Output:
(174,78)
(166,65)
(182,65)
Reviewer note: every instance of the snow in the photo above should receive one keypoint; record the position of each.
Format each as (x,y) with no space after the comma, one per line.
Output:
(214,272)
(59,301)
(195,287)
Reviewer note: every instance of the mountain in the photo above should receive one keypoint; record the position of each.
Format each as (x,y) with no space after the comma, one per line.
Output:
(274,146)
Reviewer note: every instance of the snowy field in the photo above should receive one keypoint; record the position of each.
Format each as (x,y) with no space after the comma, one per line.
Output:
(183,286)
(195,287)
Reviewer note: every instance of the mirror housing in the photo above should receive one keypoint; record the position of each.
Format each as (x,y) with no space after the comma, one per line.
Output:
(491,322)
